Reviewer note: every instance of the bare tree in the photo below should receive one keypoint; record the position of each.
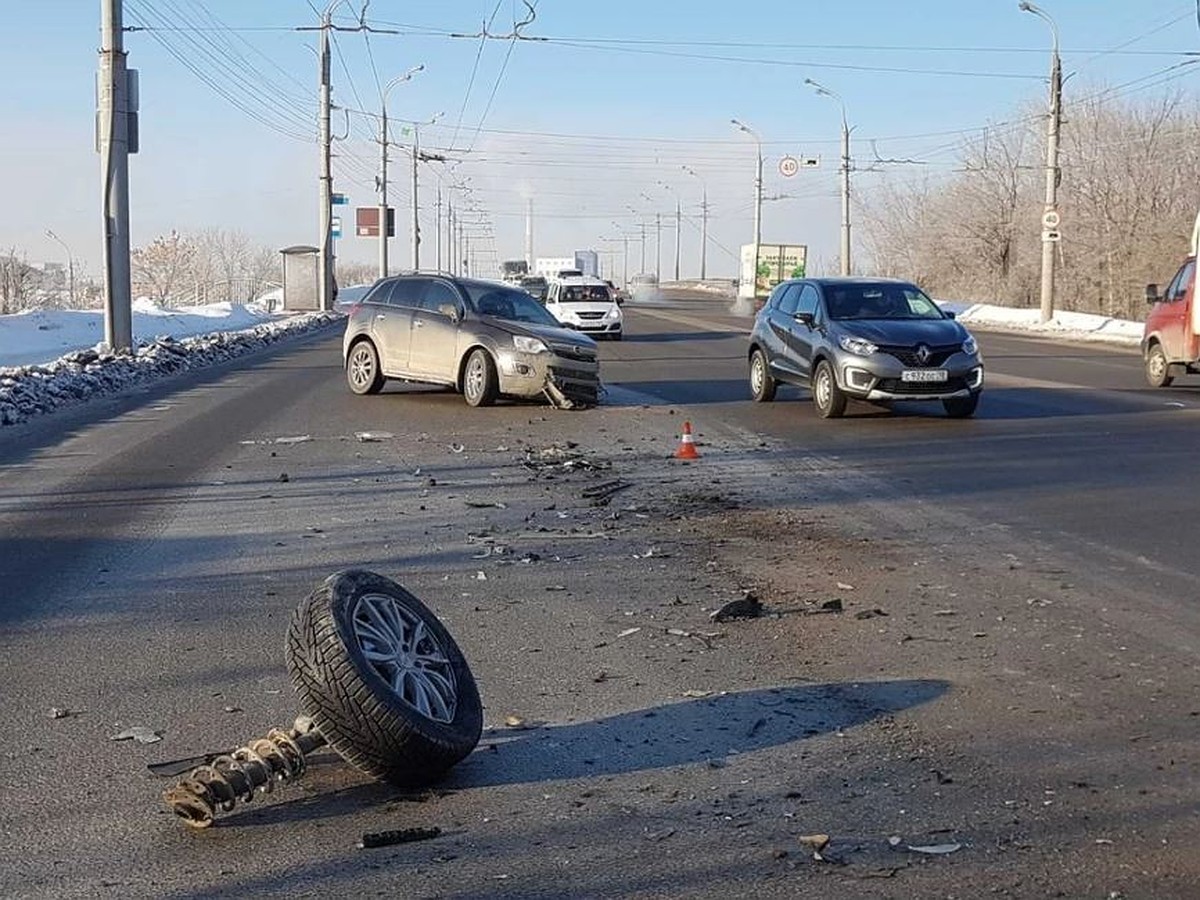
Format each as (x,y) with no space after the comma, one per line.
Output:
(160,269)
(17,281)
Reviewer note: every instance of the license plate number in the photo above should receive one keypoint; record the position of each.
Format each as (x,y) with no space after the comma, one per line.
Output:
(923,375)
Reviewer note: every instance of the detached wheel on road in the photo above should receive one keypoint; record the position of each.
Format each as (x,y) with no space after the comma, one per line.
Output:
(828,398)
(382,679)
(762,385)
(1158,370)
(480,384)
(961,407)
(362,369)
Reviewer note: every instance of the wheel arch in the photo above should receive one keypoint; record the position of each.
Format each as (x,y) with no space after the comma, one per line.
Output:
(466,354)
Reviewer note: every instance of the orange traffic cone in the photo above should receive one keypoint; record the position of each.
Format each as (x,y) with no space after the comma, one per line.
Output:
(687,446)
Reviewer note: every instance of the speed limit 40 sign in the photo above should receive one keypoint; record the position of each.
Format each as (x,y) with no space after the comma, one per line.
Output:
(789,166)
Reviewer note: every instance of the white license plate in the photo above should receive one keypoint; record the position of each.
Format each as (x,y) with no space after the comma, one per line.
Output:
(923,375)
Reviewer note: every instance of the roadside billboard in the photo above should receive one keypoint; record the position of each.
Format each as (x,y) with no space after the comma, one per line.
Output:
(776,263)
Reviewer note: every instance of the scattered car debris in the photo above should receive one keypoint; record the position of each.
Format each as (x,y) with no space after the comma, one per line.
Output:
(628,631)
(817,842)
(457,448)
(297,439)
(600,494)
(139,733)
(58,712)
(934,849)
(842,586)
(870,613)
(370,437)
(516,722)
(562,456)
(283,476)
(747,607)
(945,612)
(486,504)
(829,606)
(372,839)
(697,695)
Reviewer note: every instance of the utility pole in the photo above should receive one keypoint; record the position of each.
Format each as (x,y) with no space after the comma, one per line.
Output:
(383,162)
(704,234)
(437,228)
(324,138)
(678,225)
(117,138)
(416,219)
(658,246)
(529,233)
(1050,216)
(845,196)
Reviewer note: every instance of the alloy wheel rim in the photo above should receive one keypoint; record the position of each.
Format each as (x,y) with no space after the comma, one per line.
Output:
(402,650)
(474,386)
(756,374)
(361,367)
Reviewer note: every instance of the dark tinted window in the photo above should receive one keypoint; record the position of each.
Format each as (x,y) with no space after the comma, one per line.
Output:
(439,294)
(884,300)
(789,300)
(379,292)
(808,300)
(408,292)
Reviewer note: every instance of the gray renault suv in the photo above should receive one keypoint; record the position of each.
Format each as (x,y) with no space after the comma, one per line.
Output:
(873,339)
(481,338)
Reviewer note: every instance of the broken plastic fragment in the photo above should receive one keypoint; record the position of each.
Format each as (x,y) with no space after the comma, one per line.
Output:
(367,437)
(297,439)
(139,733)
(936,849)
(629,631)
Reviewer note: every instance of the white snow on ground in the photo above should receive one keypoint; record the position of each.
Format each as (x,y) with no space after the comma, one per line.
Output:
(52,358)
(55,358)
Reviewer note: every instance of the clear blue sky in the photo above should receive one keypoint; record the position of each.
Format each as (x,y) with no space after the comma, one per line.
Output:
(588,123)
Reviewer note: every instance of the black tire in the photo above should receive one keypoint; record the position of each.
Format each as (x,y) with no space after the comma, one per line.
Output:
(961,407)
(1158,369)
(480,384)
(376,727)
(363,372)
(828,398)
(762,384)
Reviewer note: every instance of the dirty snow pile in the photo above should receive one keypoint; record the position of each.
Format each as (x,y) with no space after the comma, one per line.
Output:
(166,341)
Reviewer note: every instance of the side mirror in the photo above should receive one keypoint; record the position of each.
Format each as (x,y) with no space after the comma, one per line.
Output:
(450,311)
(949,314)
(805,318)
(1152,295)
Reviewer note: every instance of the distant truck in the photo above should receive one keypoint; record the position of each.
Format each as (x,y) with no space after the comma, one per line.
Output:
(585,263)
(1171,335)
(513,270)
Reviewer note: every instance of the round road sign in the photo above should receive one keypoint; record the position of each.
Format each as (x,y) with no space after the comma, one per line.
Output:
(1050,220)
(788,166)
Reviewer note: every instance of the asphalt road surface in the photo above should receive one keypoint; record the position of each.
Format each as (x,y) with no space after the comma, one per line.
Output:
(1010,680)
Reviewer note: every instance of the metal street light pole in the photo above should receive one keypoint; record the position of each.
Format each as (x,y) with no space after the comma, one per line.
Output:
(417,156)
(678,223)
(116,140)
(1050,217)
(703,223)
(844,170)
(70,264)
(758,186)
(383,161)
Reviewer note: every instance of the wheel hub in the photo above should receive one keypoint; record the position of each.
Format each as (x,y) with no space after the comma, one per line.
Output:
(406,655)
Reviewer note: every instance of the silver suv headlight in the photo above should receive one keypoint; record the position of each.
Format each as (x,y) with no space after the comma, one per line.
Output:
(526,344)
(857,346)
(614,313)
(969,346)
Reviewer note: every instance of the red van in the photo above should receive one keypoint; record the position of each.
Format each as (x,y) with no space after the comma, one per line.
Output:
(1171,337)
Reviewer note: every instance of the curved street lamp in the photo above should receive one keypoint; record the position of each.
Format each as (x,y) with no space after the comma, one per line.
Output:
(70,264)
(703,221)
(383,162)
(758,186)
(844,170)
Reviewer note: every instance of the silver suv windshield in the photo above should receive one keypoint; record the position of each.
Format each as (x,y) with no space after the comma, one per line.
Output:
(507,303)
(879,301)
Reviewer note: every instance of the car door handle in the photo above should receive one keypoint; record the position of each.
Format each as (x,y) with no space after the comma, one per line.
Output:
(381,315)
(418,323)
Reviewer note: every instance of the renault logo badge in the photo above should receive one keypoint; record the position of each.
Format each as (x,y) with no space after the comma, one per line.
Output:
(923,354)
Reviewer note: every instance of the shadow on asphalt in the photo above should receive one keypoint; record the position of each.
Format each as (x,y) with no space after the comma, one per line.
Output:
(672,337)
(707,731)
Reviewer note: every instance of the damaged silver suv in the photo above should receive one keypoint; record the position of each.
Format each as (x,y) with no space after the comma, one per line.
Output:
(484,339)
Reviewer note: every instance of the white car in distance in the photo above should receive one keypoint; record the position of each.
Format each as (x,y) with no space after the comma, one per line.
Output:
(587,305)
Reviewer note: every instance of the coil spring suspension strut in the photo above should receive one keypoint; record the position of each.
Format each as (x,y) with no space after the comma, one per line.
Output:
(280,756)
